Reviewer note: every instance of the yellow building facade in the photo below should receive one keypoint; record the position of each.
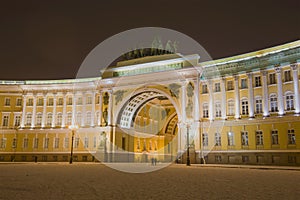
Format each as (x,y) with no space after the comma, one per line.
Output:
(238,110)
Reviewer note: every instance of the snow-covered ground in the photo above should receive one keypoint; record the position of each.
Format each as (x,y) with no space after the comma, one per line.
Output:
(96,181)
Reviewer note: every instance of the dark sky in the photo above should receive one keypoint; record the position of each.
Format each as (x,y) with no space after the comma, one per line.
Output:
(50,39)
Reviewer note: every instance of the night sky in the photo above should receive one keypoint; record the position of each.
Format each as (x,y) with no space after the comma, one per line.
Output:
(50,39)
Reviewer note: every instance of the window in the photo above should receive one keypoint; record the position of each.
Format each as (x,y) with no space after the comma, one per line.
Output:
(217,87)
(289,101)
(25,143)
(244,83)
(230,107)
(49,119)
(55,158)
(40,102)
(205,139)
(230,136)
(19,102)
(7,101)
(2,143)
(76,144)
(60,101)
(28,119)
(89,118)
(245,159)
(204,89)
(259,137)
(84,158)
(257,81)
(95,142)
(59,119)
(272,78)
(69,118)
(66,143)
(245,107)
(14,143)
(97,99)
(46,143)
(36,143)
(56,143)
(17,120)
(79,101)
(218,139)
(50,102)
(30,102)
(291,136)
(5,121)
(78,118)
(39,119)
(287,76)
(274,135)
(244,136)
(273,103)
(205,110)
(291,159)
(86,142)
(258,105)
(89,100)
(70,101)
(218,109)
(218,159)
(229,85)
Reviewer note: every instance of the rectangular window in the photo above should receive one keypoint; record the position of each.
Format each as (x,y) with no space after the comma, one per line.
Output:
(25,143)
(245,107)
(46,143)
(5,121)
(40,102)
(19,102)
(14,143)
(230,136)
(60,101)
(274,135)
(70,101)
(7,101)
(50,102)
(244,136)
(259,137)
(287,76)
(218,110)
(272,78)
(17,120)
(244,83)
(218,159)
(204,89)
(30,102)
(258,106)
(84,158)
(218,139)
(230,107)
(89,100)
(217,87)
(257,81)
(229,85)
(2,143)
(55,158)
(291,159)
(76,144)
(56,143)
(86,142)
(66,143)
(205,139)
(36,143)
(205,110)
(79,101)
(245,159)
(291,136)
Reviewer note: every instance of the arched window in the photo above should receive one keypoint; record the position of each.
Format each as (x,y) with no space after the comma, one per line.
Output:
(49,119)
(59,119)
(69,118)
(218,109)
(289,101)
(258,105)
(230,107)
(88,118)
(78,118)
(39,119)
(273,103)
(205,110)
(245,106)
(28,119)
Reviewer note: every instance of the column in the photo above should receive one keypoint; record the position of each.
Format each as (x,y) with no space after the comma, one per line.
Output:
(211,101)
(54,111)
(110,104)
(44,109)
(237,97)
(33,111)
(250,95)
(100,108)
(296,87)
(23,112)
(279,91)
(223,96)
(64,114)
(83,115)
(93,109)
(196,114)
(265,94)
(183,102)
(74,109)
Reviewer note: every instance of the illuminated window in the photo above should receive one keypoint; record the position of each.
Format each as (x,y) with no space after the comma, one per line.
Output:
(230,136)
(244,106)
(259,137)
(5,120)
(272,78)
(258,105)
(229,85)
(244,136)
(287,76)
(205,110)
(7,101)
(274,136)
(273,103)
(217,139)
(230,107)
(257,81)
(205,139)
(17,120)
(289,101)
(291,136)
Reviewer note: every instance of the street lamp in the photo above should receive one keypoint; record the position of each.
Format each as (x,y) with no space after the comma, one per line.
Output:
(188,161)
(73,128)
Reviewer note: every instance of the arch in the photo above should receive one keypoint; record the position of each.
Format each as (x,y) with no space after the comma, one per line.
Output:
(130,105)
(171,123)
